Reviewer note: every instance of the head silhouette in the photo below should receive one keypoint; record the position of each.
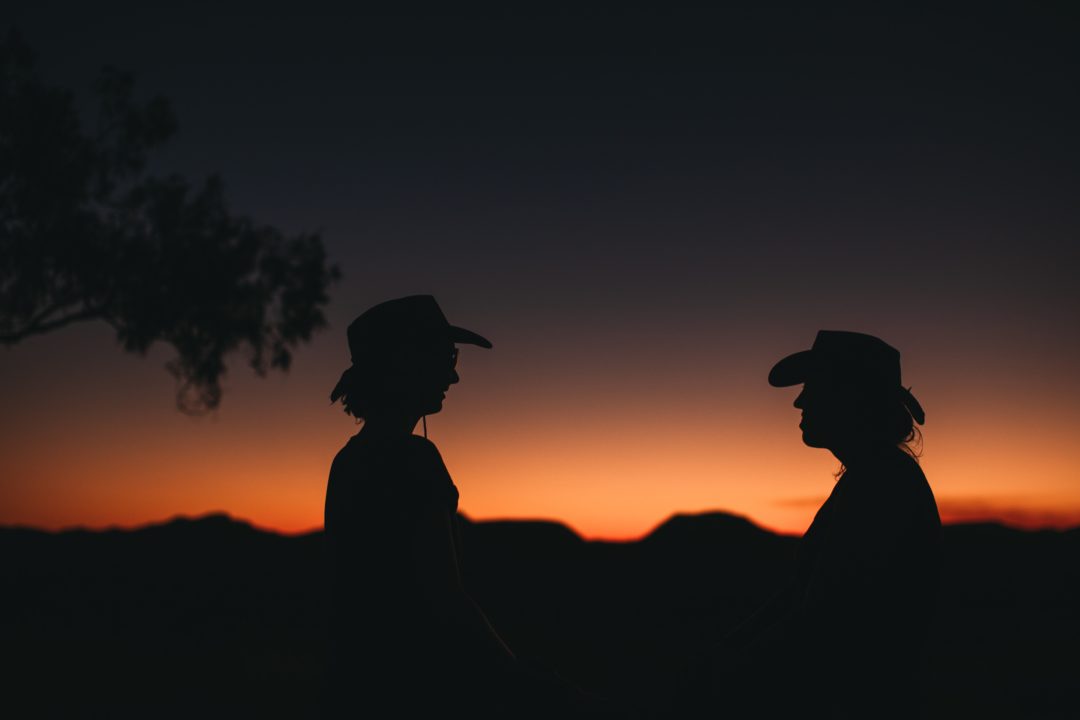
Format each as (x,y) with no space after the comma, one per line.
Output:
(404,359)
(852,400)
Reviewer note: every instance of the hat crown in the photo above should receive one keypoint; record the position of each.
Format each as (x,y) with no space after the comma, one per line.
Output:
(411,320)
(415,321)
(856,355)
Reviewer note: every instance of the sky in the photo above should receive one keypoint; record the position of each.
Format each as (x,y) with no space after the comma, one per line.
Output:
(643,210)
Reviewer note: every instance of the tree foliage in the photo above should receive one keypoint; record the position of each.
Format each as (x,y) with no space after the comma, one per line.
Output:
(87,234)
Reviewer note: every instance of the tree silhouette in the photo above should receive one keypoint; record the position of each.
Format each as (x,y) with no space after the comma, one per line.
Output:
(87,234)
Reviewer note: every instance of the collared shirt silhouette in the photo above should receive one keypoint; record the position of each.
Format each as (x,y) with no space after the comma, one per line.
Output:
(847,636)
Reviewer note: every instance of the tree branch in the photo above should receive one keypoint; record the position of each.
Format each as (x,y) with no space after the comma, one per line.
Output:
(40,328)
(45,314)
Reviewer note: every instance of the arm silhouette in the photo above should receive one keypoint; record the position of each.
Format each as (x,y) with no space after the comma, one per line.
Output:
(439,576)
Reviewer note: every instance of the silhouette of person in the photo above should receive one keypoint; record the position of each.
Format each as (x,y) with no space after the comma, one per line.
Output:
(406,638)
(846,638)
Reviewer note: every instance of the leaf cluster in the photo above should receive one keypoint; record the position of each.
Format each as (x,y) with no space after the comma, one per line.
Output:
(87,234)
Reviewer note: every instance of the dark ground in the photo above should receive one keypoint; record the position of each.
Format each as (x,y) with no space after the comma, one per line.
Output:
(214,618)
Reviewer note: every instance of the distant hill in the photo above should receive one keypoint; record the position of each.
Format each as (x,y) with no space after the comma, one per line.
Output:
(213,617)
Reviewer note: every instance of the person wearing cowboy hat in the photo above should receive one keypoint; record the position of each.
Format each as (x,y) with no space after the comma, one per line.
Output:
(406,638)
(846,638)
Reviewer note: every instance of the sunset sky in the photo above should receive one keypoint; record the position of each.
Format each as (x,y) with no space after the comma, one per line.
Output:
(643,212)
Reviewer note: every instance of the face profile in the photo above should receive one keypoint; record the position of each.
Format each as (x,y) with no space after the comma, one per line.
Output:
(418,380)
(830,414)
(813,422)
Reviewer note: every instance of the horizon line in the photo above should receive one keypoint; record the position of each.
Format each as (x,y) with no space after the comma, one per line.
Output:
(990,519)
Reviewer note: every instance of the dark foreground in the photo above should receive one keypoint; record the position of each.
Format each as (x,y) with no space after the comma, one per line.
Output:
(213,618)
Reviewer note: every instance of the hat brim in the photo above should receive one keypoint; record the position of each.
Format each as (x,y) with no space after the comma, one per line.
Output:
(461,335)
(799,367)
(792,370)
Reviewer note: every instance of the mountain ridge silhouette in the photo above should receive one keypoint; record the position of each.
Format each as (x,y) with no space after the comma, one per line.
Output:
(721,516)
(213,615)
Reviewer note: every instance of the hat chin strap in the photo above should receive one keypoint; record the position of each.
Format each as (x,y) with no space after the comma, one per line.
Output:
(423,418)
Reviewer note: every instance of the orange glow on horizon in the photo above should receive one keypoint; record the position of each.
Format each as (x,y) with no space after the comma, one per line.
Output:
(614,467)
(596,496)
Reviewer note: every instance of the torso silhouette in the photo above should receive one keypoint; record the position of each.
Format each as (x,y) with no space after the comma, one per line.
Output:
(866,589)
(391,644)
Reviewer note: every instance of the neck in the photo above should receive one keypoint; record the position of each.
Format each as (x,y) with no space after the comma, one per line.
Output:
(854,455)
(390,424)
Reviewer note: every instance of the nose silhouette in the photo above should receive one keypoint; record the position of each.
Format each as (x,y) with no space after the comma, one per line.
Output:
(454,378)
(800,401)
